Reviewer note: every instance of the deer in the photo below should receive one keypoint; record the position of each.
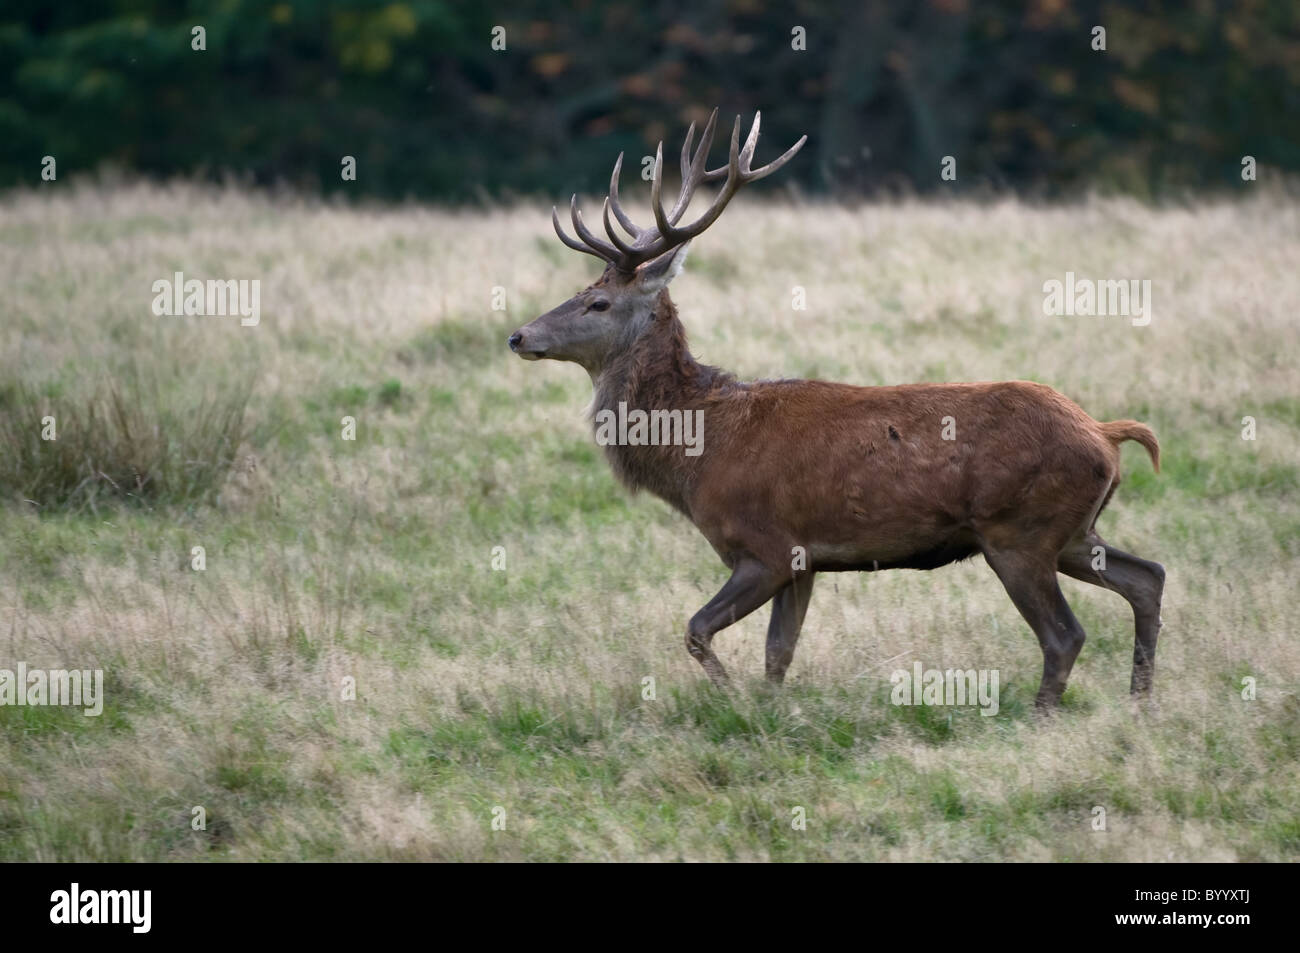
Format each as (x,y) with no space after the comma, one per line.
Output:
(800,477)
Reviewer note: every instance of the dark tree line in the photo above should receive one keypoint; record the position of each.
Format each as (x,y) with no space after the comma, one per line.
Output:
(430,106)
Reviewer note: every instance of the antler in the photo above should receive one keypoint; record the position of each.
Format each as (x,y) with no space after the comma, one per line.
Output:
(651,242)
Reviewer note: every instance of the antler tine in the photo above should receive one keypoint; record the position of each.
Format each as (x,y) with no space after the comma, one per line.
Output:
(676,236)
(712,175)
(623,219)
(602,249)
(751,142)
(686,152)
(693,173)
(656,190)
(775,164)
(753,175)
(746,154)
(624,248)
(572,243)
(679,206)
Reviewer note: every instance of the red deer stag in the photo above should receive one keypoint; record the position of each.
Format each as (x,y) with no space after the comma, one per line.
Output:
(849,478)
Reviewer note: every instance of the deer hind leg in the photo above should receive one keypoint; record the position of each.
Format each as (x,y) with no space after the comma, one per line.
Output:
(1030,581)
(751,584)
(788,608)
(1138,580)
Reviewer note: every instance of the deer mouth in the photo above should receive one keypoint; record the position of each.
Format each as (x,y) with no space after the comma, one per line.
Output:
(531,355)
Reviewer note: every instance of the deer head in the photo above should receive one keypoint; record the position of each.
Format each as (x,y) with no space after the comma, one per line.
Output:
(609,316)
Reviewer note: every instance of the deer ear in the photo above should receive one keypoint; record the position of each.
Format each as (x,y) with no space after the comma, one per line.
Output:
(654,275)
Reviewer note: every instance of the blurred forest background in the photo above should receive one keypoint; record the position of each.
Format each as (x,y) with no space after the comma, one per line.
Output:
(418,94)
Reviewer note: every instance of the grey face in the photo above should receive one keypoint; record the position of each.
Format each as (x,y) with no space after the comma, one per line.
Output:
(602,320)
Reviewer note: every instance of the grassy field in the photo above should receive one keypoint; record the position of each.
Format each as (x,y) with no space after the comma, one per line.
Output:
(518,694)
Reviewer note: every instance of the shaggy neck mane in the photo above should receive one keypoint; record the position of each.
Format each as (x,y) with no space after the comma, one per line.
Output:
(658,372)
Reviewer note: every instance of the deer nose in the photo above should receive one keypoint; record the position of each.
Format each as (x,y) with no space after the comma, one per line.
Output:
(515,340)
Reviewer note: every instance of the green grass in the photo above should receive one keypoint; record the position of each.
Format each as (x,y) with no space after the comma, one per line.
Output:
(525,690)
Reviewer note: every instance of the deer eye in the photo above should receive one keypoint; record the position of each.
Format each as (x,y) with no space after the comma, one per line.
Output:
(600,304)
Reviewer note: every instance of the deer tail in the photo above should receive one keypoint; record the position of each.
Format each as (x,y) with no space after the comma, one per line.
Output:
(1117,431)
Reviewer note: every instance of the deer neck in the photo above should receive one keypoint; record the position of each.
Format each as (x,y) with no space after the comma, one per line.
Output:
(656,372)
